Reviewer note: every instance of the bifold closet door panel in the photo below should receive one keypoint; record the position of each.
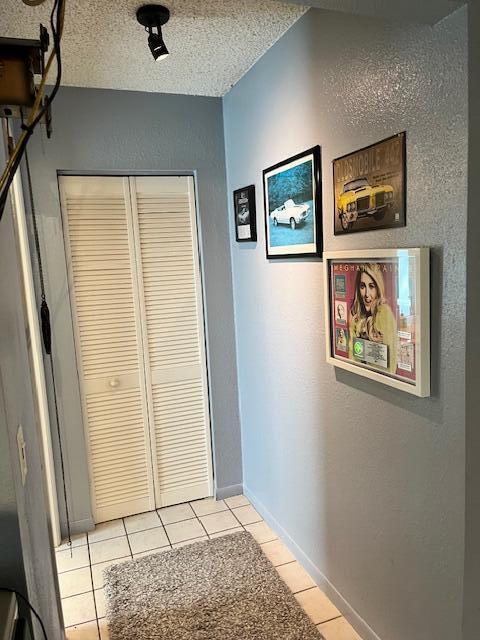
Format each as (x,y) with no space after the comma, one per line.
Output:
(174,344)
(105,308)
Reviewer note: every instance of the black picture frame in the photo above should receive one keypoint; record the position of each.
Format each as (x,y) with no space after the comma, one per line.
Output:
(381,164)
(245,214)
(293,186)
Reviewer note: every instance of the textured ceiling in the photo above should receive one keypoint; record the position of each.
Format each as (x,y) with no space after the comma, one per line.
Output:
(212,42)
(423,11)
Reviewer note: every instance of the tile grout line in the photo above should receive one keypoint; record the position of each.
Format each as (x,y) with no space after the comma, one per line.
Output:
(143,554)
(74,546)
(284,564)
(244,526)
(93,590)
(159,518)
(251,523)
(60,573)
(131,533)
(223,530)
(266,541)
(231,509)
(188,539)
(82,593)
(228,508)
(301,590)
(329,620)
(105,539)
(176,521)
(204,528)
(167,524)
(72,626)
(308,589)
(166,533)
(212,512)
(128,540)
(241,523)
(94,564)
(247,524)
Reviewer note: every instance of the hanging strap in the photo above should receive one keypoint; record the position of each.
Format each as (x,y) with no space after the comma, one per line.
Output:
(47,337)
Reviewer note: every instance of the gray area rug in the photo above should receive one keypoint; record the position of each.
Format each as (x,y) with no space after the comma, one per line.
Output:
(220,589)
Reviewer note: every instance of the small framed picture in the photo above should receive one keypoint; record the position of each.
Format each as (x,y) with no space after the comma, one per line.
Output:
(370,187)
(293,206)
(377,315)
(245,214)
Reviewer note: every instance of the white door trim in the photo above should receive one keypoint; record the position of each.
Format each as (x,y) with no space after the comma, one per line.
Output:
(39,384)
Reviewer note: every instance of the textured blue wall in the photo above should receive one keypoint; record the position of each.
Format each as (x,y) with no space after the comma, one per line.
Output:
(367,481)
(103,130)
(472,517)
(26,556)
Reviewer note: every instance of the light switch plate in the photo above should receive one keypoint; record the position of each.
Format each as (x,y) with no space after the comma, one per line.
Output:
(22,456)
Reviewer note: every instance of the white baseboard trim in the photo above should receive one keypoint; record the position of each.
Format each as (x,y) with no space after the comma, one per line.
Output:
(227,492)
(81,526)
(353,617)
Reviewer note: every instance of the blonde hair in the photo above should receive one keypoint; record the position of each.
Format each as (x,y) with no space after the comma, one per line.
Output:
(365,322)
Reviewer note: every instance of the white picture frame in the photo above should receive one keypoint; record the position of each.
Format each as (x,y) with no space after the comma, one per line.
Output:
(391,373)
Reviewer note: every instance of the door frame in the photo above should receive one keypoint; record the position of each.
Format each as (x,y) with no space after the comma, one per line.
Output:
(36,355)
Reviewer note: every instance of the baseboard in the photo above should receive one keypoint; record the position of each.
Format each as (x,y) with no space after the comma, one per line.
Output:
(227,492)
(82,526)
(353,617)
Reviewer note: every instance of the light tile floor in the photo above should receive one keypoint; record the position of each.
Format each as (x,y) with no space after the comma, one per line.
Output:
(80,569)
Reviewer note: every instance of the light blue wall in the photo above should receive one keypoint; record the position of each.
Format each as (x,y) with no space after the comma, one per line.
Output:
(26,554)
(11,562)
(103,130)
(366,480)
(472,519)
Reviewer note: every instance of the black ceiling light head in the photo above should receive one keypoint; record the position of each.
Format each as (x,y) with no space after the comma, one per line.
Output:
(153,17)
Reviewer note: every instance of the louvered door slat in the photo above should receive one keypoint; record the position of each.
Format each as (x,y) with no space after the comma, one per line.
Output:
(100,247)
(169,278)
(101,431)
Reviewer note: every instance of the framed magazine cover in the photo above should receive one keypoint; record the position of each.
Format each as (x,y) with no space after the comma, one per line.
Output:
(377,315)
(244,209)
(292,192)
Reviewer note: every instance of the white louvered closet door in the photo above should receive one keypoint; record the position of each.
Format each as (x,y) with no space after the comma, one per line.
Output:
(174,345)
(101,263)
(136,297)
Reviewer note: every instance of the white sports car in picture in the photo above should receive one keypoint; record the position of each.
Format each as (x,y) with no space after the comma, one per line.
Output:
(290,213)
(243,216)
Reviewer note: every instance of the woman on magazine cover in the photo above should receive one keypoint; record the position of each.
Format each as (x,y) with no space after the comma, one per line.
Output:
(371,317)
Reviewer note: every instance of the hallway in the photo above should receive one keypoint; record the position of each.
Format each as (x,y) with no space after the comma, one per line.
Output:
(249,267)
(80,572)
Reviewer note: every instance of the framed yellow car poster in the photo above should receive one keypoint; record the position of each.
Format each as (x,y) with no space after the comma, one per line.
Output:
(370,187)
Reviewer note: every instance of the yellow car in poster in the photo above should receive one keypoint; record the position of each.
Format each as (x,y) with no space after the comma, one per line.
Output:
(359,200)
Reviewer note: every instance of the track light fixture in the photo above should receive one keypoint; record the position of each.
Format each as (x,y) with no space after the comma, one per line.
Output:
(153,17)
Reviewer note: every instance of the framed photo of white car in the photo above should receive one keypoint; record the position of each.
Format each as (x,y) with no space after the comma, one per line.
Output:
(370,187)
(293,206)
(245,214)
(377,315)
